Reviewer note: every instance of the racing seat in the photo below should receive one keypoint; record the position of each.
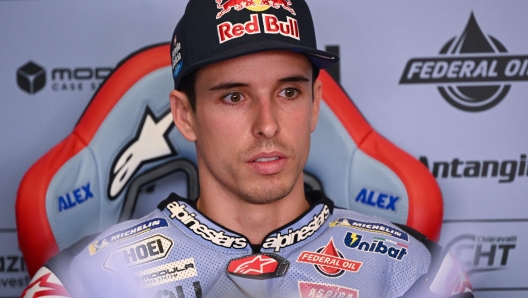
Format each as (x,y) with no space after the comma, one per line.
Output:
(125,155)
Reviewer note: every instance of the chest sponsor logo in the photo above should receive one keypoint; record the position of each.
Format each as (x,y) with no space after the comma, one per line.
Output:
(167,273)
(329,261)
(279,241)
(321,290)
(140,228)
(219,238)
(225,6)
(392,249)
(259,266)
(372,227)
(145,251)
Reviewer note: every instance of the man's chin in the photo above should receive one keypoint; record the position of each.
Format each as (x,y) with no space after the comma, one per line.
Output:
(266,194)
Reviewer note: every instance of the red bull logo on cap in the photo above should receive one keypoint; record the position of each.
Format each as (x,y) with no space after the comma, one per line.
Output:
(225,6)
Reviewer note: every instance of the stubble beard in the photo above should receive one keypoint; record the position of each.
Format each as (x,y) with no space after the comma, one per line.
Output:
(272,188)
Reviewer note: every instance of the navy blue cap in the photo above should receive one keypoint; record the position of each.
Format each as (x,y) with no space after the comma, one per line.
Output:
(215,30)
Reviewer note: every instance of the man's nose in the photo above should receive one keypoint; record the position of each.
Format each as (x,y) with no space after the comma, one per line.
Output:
(266,122)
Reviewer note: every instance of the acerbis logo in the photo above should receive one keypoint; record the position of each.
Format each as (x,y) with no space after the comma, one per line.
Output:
(31,77)
(472,72)
(482,253)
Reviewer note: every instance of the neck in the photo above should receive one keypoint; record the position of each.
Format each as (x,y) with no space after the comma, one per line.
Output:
(254,221)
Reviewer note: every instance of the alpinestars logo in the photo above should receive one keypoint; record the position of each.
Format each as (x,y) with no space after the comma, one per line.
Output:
(472,72)
(151,143)
(280,241)
(259,266)
(179,212)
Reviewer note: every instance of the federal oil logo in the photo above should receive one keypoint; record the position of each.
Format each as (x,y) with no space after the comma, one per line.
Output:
(472,71)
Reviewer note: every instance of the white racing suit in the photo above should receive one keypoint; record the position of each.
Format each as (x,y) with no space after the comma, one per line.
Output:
(326,252)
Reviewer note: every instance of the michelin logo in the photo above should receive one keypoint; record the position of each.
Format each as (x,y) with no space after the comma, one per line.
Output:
(372,227)
(140,228)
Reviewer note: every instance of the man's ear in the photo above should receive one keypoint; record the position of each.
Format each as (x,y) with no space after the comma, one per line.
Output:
(182,114)
(316,104)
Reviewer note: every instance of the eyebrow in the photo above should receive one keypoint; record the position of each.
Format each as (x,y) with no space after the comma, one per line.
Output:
(294,79)
(226,86)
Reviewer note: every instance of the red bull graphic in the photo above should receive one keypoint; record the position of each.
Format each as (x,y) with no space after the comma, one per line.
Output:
(225,6)
(228,31)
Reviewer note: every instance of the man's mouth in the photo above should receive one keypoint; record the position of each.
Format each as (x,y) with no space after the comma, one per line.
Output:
(266,159)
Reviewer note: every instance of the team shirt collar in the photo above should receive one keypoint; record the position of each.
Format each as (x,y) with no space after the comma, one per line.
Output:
(204,230)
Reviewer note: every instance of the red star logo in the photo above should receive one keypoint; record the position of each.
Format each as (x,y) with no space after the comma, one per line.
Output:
(41,287)
(253,265)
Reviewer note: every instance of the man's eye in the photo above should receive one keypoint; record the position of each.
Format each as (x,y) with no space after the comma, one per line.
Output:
(289,93)
(233,98)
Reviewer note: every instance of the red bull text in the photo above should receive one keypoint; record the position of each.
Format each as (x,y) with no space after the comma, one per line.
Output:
(228,31)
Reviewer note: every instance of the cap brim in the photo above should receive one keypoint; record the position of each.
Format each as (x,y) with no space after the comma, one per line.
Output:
(320,59)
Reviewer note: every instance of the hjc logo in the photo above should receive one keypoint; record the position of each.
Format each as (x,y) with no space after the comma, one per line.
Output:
(479,253)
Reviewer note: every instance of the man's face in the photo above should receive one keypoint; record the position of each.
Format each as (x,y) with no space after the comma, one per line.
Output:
(252,125)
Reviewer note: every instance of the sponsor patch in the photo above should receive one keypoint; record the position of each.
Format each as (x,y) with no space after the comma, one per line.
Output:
(372,227)
(167,273)
(140,228)
(225,6)
(176,57)
(219,238)
(321,290)
(392,249)
(279,241)
(141,252)
(259,266)
(329,261)
(272,25)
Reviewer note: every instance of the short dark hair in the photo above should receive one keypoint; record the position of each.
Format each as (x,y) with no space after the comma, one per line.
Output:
(188,85)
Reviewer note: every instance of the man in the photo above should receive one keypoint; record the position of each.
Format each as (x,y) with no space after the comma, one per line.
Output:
(246,94)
